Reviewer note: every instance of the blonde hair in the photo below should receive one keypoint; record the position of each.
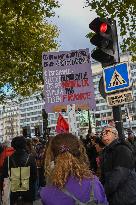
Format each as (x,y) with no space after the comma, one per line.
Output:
(69,161)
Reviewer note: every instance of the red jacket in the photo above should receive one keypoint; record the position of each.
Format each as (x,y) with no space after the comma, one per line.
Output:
(8,151)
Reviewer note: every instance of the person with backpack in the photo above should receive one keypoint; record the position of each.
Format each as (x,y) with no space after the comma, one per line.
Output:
(117,169)
(21,169)
(71,181)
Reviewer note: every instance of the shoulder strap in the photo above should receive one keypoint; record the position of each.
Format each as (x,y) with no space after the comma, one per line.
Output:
(27,160)
(92,191)
(73,197)
(77,200)
(15,163)
(8,167)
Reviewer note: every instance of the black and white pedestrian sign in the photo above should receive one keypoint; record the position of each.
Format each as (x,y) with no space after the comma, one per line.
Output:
(116,77)
(120,98)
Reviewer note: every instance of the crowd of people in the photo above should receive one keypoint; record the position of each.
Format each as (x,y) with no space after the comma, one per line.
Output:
(70,171)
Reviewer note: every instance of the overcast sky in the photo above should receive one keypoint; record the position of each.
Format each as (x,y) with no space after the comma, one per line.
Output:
(73,23)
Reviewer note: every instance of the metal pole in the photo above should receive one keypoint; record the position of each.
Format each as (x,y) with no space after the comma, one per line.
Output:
(90,128)
(117,114)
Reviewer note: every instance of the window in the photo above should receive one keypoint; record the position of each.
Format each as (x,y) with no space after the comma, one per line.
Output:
(30,108)
(51,115)
(108,113)
(124,120)
(103,115)
(53,121)
(134,117)
(23,115)
(34,118)
(97,115)
(98,108)
(103,107)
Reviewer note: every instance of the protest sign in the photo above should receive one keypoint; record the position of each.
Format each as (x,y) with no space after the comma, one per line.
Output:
(67,80)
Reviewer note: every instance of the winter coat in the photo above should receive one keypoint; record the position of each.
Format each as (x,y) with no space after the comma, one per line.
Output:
(39,155)
(51,195)
(92,154)
(132,143)
(118,175)
(20,157)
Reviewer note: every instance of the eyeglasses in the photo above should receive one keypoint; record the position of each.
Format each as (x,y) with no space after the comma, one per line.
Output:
(105,132)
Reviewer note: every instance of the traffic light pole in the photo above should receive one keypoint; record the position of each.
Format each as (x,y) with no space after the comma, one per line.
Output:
(117,113)
(117,116)
(105,39)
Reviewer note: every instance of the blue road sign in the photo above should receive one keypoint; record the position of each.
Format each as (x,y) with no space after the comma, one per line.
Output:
(116,77)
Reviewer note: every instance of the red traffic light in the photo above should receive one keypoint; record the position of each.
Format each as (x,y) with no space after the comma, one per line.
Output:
(103,27)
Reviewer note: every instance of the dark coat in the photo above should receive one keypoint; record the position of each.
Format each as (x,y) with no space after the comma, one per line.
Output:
(118,175)
(92,154)
(133,146)
(20,158)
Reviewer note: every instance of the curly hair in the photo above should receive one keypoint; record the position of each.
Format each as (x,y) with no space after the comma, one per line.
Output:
(69,161)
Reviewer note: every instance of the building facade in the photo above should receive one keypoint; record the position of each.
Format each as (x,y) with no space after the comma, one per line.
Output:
(9,121)
(31,114)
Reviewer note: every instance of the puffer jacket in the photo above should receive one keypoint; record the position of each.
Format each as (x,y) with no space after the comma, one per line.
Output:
(117,173)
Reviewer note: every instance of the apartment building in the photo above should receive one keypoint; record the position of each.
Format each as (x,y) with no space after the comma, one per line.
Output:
(31,113)
(9,121)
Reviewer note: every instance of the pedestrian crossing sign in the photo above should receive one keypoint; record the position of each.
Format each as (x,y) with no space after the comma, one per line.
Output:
(116,77)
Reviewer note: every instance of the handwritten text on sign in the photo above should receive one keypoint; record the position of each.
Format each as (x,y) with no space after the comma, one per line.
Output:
(67,79)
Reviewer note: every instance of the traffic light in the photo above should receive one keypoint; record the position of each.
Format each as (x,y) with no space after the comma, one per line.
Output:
(105,40)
